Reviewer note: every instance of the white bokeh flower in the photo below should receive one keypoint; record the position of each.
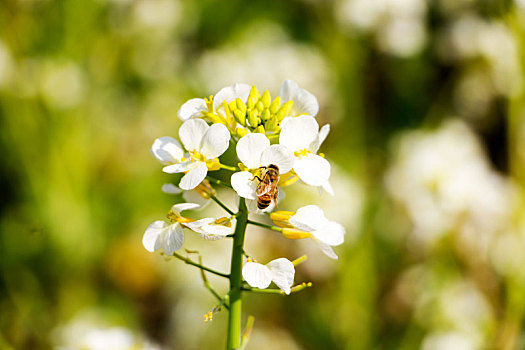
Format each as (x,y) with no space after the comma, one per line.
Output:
(168,237)
(254,151)
(303,137)
(279,271)
(303,101)
(204,143)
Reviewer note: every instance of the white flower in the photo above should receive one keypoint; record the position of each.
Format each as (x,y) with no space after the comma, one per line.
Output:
(324,232)
(168,237)
(302,135)
(254,151)
(281,271)
(195,107)
(203,143)
(211,229)
(303,101)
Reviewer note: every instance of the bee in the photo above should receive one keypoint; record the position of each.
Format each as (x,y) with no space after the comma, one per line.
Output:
(267,190)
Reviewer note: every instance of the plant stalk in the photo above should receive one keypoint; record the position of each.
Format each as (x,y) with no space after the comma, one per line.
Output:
(234,317)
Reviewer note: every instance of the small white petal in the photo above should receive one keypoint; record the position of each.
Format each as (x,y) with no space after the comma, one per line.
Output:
(323,133)
(332,233)
(312,169)
(195,176)
(299,133)
(283,273)
(257,275)
(167,150)
(303,101)
(242,182)
(309,218)
(215,142)
(327,250)
(171,189)
(191,133)
(180,207)
(328,188)
(278,155)
(192,108)
(151,240)
(250,147)
(179,167)
(194,197)
(173,239)
(231,93)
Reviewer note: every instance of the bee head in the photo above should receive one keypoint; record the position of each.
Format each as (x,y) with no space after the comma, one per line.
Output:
(273,166)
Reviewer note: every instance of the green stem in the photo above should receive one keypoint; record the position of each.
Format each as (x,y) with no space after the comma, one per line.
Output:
(295,289)
(208,285)
(234,317)
(218,182)
(221,204)
(270,227)
(202,267)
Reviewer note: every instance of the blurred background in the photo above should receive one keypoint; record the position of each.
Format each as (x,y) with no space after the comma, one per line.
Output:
(427,106)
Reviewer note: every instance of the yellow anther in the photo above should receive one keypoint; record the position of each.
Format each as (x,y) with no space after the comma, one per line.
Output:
(227,112)
(266,99)
(184,220)
(321,155)
(288,179)
(293,233)
(208,317)
(214,118)
(299,260)
(302,152)
(224,221)
(205,189)
(209,103)
(274,106)
(197,156)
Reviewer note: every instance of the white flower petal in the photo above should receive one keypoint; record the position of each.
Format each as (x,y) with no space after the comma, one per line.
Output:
(151,240)
(332,233)
(278,155)
(299,133)
(179,167)
(328,188)
(171,189)
(257,275)
(250,147)
(215,142)
(197,225)
(327,250)
(167,150)
(192,108)
(195,176)
(180,207)
(303,101)
(323,133)
(309,218)
(191,133)
(231,93)
(173,239)
(194,197)
(312,169)
(283,273)
(242,182)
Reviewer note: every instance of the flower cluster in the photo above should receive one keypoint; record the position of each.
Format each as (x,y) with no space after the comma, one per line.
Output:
(276,143)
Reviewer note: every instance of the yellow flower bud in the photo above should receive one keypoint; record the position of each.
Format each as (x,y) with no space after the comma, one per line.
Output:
(253,97)
(281,215)
(284,110)
(241,132)
(293,233)
(265,115)
(274,106)
(240,105)
(266,99)
(260,129)
(253,119)
(240,116)
(259,105)
(271,124)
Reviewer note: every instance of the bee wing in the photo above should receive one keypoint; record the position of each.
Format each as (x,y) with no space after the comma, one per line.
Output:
(262,188)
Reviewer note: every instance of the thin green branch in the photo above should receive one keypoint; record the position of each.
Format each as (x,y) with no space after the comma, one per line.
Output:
(229,167)
(222,205)
(218,182)
(247,331)
(270,227)
(208,285)
(295,289)
(202,267)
